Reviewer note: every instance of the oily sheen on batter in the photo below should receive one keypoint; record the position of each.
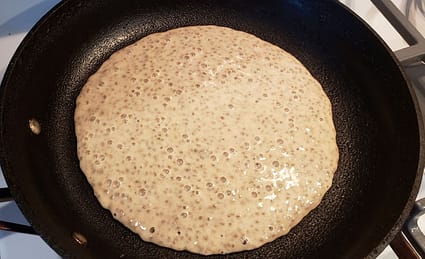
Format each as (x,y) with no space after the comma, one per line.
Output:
(206,139)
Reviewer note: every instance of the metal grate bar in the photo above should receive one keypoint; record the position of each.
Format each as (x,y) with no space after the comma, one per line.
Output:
(9,226)
(416,51)
(5,195)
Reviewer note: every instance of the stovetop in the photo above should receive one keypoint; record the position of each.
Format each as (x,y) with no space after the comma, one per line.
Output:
(17,18)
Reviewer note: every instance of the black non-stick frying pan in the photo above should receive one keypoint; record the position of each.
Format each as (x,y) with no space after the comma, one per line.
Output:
(378,128)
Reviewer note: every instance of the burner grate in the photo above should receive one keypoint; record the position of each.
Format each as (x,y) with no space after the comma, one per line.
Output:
(416,51)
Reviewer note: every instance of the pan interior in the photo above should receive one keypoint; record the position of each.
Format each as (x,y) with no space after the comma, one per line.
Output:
(374,115)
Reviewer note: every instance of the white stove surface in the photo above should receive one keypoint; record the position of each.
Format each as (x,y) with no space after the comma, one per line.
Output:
(18,16)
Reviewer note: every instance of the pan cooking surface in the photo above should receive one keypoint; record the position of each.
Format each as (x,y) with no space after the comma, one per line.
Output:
(377,129)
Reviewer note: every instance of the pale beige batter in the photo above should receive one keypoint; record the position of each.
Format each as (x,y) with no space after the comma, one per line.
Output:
(206,139)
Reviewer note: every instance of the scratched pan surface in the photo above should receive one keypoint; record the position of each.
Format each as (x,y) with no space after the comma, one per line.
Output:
(378,131)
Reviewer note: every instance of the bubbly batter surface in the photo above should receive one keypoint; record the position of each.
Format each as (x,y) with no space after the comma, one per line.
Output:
(206,139)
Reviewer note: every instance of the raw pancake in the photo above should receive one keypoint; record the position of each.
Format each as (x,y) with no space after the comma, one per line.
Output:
(206,139)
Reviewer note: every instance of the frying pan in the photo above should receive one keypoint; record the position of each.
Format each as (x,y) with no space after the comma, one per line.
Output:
(379,129)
